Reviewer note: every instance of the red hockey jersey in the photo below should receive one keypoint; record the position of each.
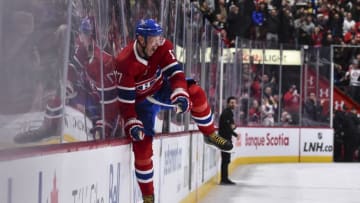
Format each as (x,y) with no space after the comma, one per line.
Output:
(140,78)
(104,78)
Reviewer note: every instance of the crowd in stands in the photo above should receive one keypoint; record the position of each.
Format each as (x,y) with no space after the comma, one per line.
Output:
(316,23)
(312,22)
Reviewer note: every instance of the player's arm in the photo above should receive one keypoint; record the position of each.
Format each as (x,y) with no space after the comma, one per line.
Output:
(171,68)
(104,85)
(175,74)
(126,96)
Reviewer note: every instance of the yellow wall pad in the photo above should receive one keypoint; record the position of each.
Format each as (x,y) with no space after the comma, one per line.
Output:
(201,192)
(316,159)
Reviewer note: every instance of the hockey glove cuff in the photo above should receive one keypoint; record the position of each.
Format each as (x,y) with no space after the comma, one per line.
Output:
(135,129)
(181,98)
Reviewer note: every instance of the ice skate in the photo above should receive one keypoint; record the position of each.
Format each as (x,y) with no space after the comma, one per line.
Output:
(218,142)
(35,135)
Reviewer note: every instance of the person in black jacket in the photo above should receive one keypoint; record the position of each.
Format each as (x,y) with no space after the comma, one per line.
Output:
(226,130)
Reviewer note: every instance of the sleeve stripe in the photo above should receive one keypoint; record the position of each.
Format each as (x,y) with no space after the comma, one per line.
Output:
(106,88)
(172,69)
(176,72)
(78,62)
(126,88)
(127,101)
(127,94)
(109,101)
(133,121)
(110,94)
(169,66)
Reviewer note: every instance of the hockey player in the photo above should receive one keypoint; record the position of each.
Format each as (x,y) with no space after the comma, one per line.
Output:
(80,93)
(148,67)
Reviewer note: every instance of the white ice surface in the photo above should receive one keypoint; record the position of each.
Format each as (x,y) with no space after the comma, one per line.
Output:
(291,183)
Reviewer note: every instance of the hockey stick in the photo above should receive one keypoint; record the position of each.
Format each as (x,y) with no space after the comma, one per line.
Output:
(154,101)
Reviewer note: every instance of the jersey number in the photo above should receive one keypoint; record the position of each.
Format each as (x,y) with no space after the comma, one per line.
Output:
(171,52)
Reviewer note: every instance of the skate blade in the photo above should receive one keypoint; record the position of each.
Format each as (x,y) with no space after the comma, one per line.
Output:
(227,151)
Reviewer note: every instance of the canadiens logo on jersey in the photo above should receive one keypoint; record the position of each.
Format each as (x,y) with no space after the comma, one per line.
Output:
(144,85)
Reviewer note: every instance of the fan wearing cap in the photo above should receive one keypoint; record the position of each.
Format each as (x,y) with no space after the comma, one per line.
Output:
(147,67)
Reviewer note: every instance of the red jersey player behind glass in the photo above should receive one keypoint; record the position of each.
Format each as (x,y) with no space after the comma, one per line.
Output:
(147,67)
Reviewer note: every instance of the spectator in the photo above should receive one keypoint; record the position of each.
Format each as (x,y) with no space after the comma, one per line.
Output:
(268,112)
(287,29)
(313,110)
(335,26)
(234,23)
(328,39)
(348,23)
(353,74)
(286,119)
(317,37)
(308,26)
(254,112)
(258,19)
(355,11)
(292,103)
(273,26)
(350,35)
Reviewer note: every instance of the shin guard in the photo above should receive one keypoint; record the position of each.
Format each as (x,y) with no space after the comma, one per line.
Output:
(200,111)
(144,170)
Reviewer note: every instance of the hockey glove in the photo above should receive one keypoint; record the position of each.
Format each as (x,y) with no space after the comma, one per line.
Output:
(181,98)
(135,129)
(97,130)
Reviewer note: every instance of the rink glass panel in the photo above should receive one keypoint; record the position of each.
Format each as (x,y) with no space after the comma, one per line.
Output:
(33,46)
(260,74)
(39,41)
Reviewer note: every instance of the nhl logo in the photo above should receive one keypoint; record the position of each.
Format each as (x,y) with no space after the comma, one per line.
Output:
(320,135)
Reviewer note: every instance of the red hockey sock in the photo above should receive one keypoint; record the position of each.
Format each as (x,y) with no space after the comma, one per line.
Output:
(144,170)
(200,111)
(144,175)
(54,112)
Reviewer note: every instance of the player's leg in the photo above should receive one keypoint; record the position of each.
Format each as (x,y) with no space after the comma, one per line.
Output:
(144,170)
(50,127)
(203,117)
(143,151)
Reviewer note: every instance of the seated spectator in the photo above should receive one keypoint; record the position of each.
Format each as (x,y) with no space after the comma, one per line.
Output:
(286,119)
(254,112)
